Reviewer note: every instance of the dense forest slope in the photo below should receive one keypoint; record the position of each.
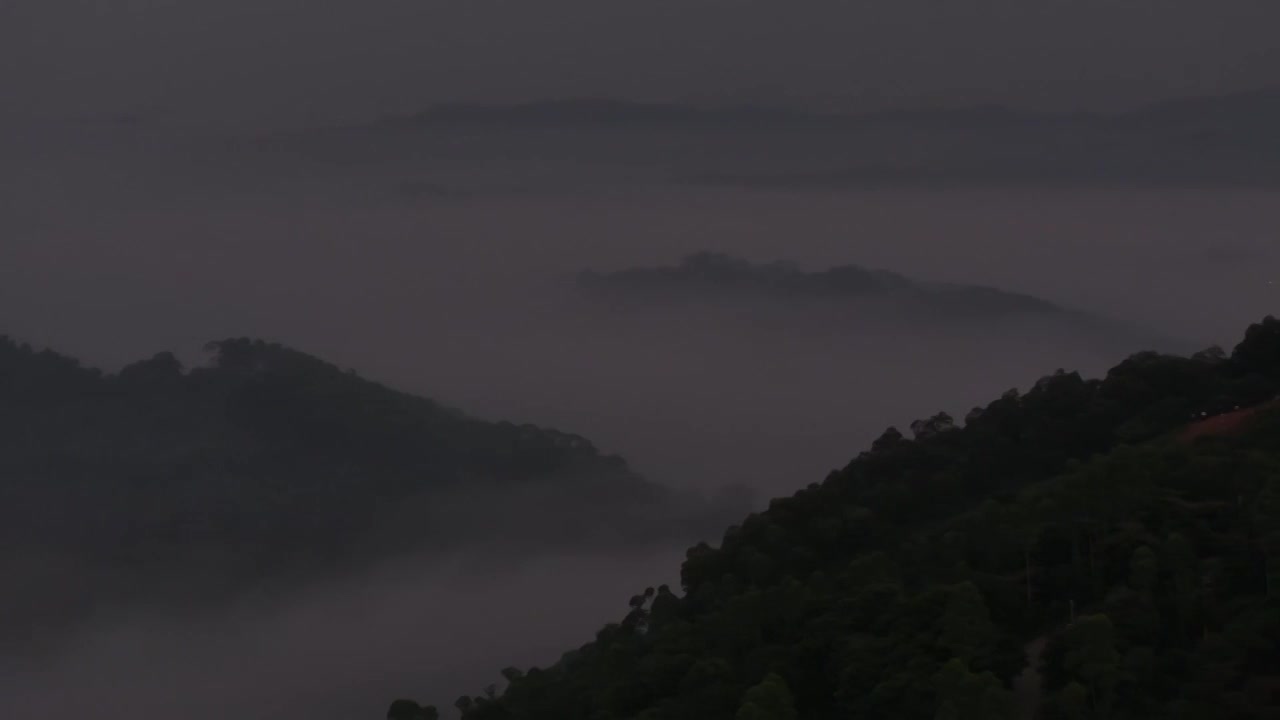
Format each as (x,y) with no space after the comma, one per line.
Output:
(1139,565)
(271,465)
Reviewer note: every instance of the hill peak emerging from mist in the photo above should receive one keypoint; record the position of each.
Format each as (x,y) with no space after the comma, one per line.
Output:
(706,276)
(852,298)
(274,396)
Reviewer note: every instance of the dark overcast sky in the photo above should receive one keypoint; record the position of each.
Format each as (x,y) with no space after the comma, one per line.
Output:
(256,60)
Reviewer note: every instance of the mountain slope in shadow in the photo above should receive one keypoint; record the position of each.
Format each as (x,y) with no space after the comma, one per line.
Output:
(271,467)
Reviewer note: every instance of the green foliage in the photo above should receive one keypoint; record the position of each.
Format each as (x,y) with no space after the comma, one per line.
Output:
(410,710)
(965,695)
(1143,569)
(966,630)
(769,700)
(1073,702)
(1266,519)
(1259,352)
(1092,660)
(907,584)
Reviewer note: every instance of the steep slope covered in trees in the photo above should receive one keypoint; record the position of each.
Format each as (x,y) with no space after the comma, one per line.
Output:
(908,584)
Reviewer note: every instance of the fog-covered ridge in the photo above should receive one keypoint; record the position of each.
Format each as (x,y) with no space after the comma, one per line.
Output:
(710,275)
(270,467)
(584,143)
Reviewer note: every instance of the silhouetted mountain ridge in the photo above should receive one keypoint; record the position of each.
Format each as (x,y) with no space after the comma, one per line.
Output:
(272,466)
(596,110)
(1254,104)
(582,143)
(711,276)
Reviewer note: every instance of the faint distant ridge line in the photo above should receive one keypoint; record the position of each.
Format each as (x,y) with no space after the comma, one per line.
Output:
(719,273)
(707,278)
(612,110)
(595,110)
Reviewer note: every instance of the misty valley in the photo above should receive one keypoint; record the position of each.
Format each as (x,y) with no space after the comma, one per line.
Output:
(729,360)
(1122,531)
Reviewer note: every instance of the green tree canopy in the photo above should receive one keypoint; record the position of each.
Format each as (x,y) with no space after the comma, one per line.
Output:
(769,700)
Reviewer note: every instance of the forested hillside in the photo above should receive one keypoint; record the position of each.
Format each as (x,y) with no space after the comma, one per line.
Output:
(268,466)
(1080,517)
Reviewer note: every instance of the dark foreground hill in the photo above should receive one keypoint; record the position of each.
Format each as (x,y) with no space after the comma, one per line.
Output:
(1077,528)
(270,466)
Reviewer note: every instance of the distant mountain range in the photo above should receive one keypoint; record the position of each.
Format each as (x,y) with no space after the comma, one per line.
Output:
(710,276)
(594,111)
(1256,106)
(850,299)
(1209,141)
(611,111)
